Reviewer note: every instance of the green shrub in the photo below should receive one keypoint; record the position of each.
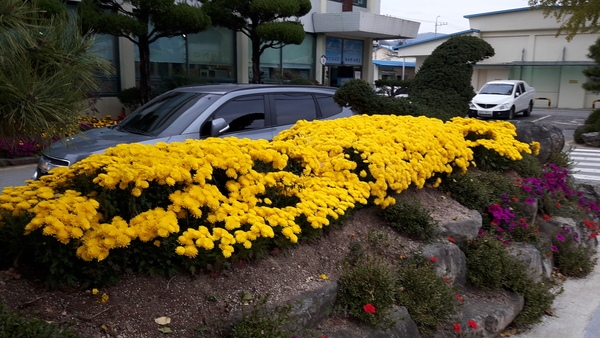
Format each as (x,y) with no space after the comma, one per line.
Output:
(410,218)
(130,98)
(572,258)
(528,166)
(429,299)
(14,324)
(490,266)
(478,190)
(367,281)
(263,322)
(593,118)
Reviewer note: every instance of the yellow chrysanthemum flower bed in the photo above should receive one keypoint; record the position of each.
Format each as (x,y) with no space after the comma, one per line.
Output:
(217,195)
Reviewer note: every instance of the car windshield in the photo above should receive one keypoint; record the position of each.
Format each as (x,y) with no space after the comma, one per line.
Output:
(497,89)
(157,114)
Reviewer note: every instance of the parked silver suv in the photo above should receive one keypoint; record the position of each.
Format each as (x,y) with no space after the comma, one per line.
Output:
(196,112)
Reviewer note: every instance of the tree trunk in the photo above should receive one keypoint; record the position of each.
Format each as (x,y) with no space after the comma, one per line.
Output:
(145,84)
(256,73)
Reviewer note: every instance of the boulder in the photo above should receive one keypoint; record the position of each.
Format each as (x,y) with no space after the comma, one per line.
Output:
(451,261)
(551,138)
(591,139)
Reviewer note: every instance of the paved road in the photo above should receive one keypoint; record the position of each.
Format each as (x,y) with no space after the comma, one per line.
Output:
(15,176)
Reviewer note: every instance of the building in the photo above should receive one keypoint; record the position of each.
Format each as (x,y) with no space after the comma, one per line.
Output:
(527,48)
(337,47)
(389,66)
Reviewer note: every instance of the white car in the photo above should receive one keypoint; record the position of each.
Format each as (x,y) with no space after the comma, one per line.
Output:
(503,98)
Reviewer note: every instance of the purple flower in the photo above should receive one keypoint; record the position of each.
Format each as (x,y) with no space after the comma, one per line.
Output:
(554,248)
(560,237)
(529,200)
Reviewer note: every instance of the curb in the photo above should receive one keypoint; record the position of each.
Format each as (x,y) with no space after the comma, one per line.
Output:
(8,162)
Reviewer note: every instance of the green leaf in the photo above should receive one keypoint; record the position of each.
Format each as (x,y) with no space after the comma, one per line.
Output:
(165,330)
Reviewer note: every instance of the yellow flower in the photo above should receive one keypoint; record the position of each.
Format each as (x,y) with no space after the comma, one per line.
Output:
(323,276)
(94,291)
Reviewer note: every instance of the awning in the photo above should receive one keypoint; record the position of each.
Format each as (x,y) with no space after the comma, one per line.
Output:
(364,25)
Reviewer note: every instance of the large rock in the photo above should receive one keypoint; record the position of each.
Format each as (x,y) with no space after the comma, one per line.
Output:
(451,261)
(551,138)
(535,264)
(405,327)
(591,139)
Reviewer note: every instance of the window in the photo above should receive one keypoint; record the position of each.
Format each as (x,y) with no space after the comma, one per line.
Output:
(328,106)
(243,113)
(292,107)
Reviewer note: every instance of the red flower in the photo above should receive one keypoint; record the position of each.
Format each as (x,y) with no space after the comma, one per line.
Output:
(369,308)
(458,297)
(546,217)
(557,204)
(593,235)
(451,239)
(433,259)
(456,327)
(447,280)
(514,199)
(472,324)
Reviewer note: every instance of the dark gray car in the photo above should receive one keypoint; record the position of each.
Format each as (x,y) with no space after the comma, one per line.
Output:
(196,112)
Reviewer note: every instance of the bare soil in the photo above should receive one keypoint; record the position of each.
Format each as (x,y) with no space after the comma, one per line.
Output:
(202,305)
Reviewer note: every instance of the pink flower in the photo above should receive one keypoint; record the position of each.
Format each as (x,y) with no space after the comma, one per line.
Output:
(472,324)
(433,259)
(457,328)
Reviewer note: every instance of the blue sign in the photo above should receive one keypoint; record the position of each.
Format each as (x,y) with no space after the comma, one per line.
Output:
(333,51)
(352,52)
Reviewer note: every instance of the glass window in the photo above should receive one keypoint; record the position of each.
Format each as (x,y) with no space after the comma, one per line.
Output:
(159,113)
(293,107)
(327,105)
(243,113)
(295,61)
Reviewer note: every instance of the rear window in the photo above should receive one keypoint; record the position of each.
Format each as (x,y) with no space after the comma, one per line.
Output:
(291,107)
(327,105)
(159,113)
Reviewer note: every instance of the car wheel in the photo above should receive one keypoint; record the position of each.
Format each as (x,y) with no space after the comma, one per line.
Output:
(529,109)
(511,113)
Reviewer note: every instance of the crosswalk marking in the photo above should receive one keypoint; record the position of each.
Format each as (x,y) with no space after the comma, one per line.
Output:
(585,164)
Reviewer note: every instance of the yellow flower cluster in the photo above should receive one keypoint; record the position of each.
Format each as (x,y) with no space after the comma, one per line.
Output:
(399,151)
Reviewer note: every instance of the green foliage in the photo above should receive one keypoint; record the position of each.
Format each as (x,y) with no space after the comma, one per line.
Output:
(367,280)
(444,79)
(43,82)
(14,324)
(572,258)
(130,98)
(260,321)
(561,159)
(490,266)
(268,23)
(168,18)
(528,166)
(411,218)
(593,73)
(360,96)
(478,190)
(428,298)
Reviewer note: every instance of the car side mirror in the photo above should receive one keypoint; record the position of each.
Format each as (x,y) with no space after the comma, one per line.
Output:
(218,127)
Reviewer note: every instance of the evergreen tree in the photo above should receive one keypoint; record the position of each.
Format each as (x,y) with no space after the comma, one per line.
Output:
(267,23)
(593,73)
(444,79)
(46,70)
(142,22)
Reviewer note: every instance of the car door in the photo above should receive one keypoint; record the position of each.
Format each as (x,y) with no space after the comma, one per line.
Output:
(247,117)
(291,107)
(520,97)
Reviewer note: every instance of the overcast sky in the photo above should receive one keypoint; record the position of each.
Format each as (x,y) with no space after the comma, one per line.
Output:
(449,13)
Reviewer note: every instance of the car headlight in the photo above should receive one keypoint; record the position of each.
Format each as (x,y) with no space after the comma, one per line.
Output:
(472,106)
(504,106)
